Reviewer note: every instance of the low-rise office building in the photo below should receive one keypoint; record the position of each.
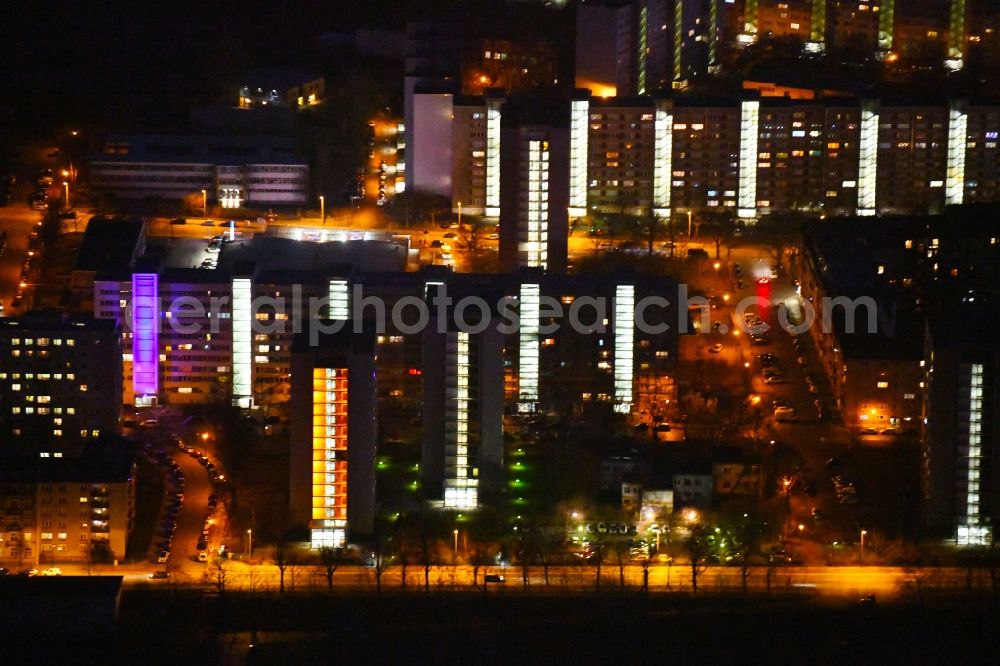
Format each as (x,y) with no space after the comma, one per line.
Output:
(230,171)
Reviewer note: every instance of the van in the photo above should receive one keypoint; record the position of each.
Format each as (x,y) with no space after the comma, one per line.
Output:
(202,556)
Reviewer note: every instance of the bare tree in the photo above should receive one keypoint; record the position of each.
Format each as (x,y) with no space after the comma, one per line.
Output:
(525,554)
(650,229)
(697,552)
(281,560)
(219,573)
(548,552)
(646,562)
(331,559)
(746,543)
(621,556)
(403,555)
(380,554)
(480,557)
(428,549)
(600,552)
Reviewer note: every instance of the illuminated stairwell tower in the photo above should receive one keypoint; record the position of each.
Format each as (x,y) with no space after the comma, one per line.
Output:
(956,36)
(886,22)
(817,27)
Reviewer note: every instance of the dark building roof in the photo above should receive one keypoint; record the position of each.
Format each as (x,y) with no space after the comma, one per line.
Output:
(111,246)
(17,588)
(55,320)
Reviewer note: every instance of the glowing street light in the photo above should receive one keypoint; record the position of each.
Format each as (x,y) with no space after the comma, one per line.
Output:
(66,186)
(204,203)
(863,533)
(250,542)
(322,208)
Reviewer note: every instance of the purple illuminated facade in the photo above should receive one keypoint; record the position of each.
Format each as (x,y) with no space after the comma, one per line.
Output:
(145,334)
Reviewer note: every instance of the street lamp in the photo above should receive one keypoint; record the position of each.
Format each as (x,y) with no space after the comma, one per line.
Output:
(455,533)
(459,214)
(66,186)
(863,533)
(204,203)
(250,542)
(689,225)
(322,208)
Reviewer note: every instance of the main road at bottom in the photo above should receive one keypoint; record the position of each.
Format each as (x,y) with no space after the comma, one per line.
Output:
(848,582)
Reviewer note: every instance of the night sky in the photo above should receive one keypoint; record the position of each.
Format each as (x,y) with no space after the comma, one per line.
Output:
(87,55)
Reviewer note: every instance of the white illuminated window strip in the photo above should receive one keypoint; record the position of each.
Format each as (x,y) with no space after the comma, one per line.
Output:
(886,24)
(663,140)
(242,338)
(579,115)
(429,284)
(868,158)
(533,241)
(749,127)
(624,345)
(971,533)
(340,304)
(493,158)
(956,36)
(642,51)
(958,125)
(529,343)
(327,538)
(461,488)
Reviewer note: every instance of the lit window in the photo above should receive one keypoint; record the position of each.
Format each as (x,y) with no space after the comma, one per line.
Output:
(883,384)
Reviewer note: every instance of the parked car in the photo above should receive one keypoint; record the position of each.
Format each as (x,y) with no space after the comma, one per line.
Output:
(784,413)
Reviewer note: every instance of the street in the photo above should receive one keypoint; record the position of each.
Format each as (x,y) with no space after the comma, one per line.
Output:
(18,221)
(847,583)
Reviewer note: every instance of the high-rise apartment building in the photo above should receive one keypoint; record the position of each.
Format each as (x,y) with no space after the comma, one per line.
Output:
(752,157)
(61,379)
(534,186)
(333,416)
